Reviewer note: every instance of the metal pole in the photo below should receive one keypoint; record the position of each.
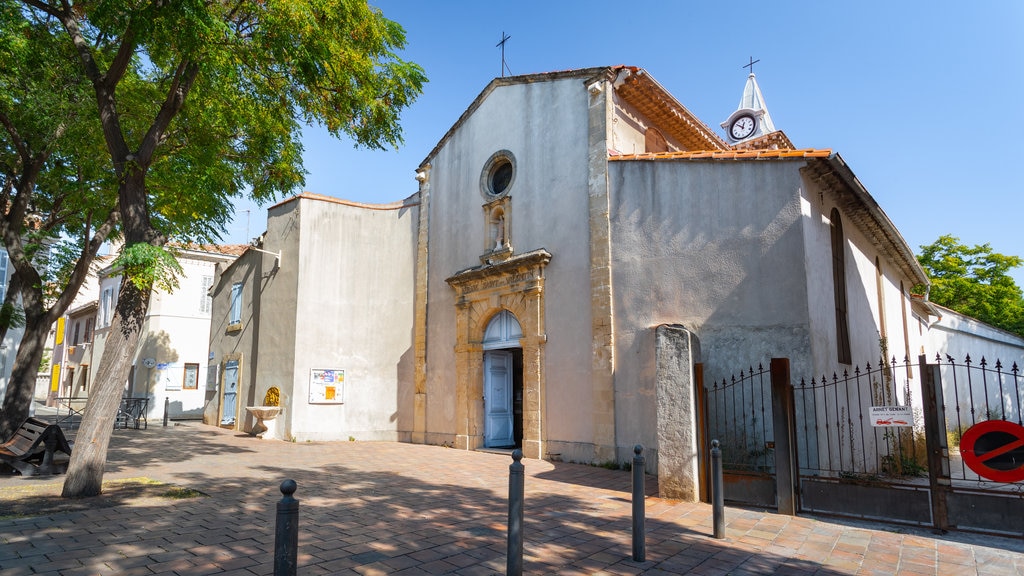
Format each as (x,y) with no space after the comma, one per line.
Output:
(717,495)
(516,474)
(639,536)
(167,403)
(286,541)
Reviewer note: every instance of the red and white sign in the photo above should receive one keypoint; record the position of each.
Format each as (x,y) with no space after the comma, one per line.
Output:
(892,416)
(995,450)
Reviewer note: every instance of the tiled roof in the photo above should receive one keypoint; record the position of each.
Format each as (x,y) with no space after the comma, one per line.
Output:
(729,155)
(226,249)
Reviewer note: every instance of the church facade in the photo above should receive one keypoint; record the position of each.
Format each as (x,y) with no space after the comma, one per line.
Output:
(578,243)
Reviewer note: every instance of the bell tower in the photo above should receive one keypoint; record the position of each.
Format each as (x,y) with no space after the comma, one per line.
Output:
(751,119)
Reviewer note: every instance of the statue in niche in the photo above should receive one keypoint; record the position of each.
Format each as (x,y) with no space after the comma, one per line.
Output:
(498,230)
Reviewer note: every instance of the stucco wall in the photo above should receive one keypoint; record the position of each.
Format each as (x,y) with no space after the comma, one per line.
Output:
(715,247)
(862,290)
(544,125)
(175,333)
(355,311)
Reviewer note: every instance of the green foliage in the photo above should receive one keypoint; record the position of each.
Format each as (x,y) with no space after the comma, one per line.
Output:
(11,316)
(148,266)
(974,281)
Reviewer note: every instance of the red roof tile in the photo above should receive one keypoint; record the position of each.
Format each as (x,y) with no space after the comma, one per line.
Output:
(728,155)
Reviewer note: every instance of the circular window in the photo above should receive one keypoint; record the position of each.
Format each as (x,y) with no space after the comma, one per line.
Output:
(498,175)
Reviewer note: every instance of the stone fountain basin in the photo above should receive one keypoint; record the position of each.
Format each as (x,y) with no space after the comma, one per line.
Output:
(264,417)
(264,412)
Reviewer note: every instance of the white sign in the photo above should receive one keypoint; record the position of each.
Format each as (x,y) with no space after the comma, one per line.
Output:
(326,386)
(892,416)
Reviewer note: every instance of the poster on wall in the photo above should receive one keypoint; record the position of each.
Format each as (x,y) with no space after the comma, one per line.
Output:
(326,386)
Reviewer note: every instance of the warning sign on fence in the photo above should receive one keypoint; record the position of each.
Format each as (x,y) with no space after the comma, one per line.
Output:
(892,416)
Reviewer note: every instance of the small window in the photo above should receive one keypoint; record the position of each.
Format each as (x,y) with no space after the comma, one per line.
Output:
(236,304)
(191,379)
(74,338)
(498,175)
(88,330)
(84,386)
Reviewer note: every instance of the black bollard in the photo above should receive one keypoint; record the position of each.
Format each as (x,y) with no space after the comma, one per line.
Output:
(717,491)
(286,541)
(167,403)
(639,535)
(516,476)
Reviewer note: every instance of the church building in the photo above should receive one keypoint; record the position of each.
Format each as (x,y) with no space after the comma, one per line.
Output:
(578,243)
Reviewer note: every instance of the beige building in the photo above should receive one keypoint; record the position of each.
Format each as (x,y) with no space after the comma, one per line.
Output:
(579,241)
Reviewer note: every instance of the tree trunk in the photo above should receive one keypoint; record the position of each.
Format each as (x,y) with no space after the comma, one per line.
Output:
(85,470)
(21,386)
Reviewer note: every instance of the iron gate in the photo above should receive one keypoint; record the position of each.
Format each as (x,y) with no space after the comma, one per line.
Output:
(813,447)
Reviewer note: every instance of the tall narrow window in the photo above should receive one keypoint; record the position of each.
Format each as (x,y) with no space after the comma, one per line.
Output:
(88,330)
(205,302)
(3,275)
(839,285)
(654,141)
(236,304)
(883,331)
(74,339)
(106,307)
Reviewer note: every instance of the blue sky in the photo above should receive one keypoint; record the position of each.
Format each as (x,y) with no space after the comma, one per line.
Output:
(922,99)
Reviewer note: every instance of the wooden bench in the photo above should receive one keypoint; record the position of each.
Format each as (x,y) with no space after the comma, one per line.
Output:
(34,440)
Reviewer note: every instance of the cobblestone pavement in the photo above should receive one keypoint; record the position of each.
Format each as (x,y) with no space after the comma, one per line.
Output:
(390,508)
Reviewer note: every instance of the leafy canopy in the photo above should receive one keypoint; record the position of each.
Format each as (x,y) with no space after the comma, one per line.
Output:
(212,99)
(974,281)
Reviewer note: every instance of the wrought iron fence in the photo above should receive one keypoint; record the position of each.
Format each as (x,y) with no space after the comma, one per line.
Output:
(835,435)
(975,392)
(740,418)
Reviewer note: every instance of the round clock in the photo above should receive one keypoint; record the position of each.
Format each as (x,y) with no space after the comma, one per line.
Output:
(149,362)
(742,127)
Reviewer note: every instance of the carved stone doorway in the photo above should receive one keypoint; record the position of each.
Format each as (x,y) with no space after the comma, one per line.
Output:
(515,286)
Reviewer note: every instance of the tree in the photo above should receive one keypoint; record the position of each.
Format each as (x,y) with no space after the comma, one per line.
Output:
(198,100)
(58,206)
(974,281)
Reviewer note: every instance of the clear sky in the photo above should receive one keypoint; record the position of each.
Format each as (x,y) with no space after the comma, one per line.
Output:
(924,100)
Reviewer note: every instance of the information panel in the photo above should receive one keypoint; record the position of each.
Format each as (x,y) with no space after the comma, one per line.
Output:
(885,416)
(326,386)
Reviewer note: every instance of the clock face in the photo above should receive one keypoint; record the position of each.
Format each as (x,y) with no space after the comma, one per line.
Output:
(742,127)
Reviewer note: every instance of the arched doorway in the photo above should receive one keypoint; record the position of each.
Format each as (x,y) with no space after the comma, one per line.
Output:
(515,285)
(503,382)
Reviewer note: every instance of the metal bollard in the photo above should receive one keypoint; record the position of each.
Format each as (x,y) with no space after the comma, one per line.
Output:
(717,491)
(516,476)
(286,541)
(167,403)
(639,533)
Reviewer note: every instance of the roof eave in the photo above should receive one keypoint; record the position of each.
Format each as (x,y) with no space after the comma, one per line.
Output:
(855,199)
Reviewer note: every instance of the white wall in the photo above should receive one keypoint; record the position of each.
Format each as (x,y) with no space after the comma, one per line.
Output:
(545,126)
(354,310)
(716,247)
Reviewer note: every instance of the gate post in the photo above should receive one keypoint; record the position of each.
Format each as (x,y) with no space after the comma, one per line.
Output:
(935,441)
(783,424)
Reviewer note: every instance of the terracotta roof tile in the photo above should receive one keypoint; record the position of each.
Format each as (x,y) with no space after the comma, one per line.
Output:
(729,155)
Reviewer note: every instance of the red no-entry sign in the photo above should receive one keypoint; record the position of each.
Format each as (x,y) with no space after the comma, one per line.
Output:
(995,450)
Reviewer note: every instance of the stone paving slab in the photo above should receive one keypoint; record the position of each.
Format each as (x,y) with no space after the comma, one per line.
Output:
(373,508)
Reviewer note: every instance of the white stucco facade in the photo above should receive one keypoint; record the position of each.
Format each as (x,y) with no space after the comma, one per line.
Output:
(627,240)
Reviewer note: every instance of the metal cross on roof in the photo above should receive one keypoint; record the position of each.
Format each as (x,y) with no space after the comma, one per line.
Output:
(504,66)
(751,65)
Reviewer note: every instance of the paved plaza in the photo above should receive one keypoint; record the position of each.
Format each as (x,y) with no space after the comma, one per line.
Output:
(389,508)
